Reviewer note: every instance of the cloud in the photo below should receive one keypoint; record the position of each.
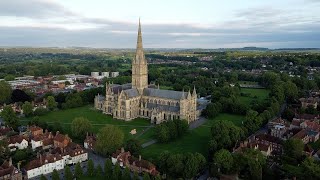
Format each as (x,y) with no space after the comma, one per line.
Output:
(45,23)
(32,9)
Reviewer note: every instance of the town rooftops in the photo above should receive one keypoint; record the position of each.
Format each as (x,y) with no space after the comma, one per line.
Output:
(41,160)
(16,139)
(269,138)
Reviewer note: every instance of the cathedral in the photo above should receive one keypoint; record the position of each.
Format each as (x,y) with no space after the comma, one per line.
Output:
(139,99)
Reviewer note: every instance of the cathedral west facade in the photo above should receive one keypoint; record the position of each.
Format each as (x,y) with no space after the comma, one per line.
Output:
(138,99)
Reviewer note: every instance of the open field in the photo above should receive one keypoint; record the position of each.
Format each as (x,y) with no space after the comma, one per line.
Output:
(253,94)
(97,119)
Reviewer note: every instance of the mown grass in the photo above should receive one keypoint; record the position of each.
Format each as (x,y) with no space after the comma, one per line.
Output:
(97,119)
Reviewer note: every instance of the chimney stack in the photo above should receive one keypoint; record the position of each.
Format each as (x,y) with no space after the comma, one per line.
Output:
(122,150)
(139,157)
(10,162)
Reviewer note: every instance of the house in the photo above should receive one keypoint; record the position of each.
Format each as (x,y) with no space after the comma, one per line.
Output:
(302,135)
(278,131)
(317,155)
(265,149)
(266,139)
(90,142)
(311,101)
(134,164)
(9,172)
(44,164)
(72,153)
(17,141)
(35,130)
(311,125)
(61,140)
(42,140)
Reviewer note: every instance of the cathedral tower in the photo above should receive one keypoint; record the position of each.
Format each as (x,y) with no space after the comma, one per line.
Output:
(139,66)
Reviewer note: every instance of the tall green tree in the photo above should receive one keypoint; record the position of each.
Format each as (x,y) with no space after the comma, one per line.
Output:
(99,171)
(80,126)
(67,173)
(223,159)
(10,117)
(27,109)
(114,137)
(51,103)
(146,176)
(135,176)
(78,171)
(43,177)
(55,175)
(134,146)
(108,169)
(90,170)
(5,92)
(116,173)
(293,149)
(126,174)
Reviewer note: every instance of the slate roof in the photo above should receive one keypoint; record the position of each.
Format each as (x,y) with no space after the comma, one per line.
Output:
(168,94)
(163,107)
(132,92)
(116,88)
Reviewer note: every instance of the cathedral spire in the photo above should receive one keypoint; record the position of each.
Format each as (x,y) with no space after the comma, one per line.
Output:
(139,40)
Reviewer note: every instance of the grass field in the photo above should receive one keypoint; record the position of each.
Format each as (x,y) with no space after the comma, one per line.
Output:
(195,141)
(253,94)
(97,119)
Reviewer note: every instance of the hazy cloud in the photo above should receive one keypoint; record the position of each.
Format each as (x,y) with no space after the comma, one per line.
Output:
(45,23)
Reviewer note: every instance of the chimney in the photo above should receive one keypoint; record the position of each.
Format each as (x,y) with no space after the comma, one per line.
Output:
(139,157)
(57,132)
(18,165)
(122,150)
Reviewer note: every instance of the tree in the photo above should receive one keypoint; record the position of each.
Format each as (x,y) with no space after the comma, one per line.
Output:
(134,146)
(126,174)
(135,176)
(223,159)
(27,109)
(5,92)
(20,96)
(67,173)
(4,150)
(293,148)
(99,170)
(291,91)
(78,171)
(116,173)
(55,175)
(9,77)
(10,117)
(90,170)
(146,176)
(51,103)
(108,169)
(114,137)
(72,101)
(43,177)
(162,133)
(20,155)
(253,121)
(311,169)
(80,126)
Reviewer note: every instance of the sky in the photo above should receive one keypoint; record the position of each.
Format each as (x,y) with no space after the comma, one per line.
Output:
(165,23)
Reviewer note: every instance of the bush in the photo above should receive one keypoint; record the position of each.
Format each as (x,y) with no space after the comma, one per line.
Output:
(41,111)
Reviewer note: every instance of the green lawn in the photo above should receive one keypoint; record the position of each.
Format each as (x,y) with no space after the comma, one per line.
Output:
(253,94)
(194,141)
(235,119)
(97,119)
